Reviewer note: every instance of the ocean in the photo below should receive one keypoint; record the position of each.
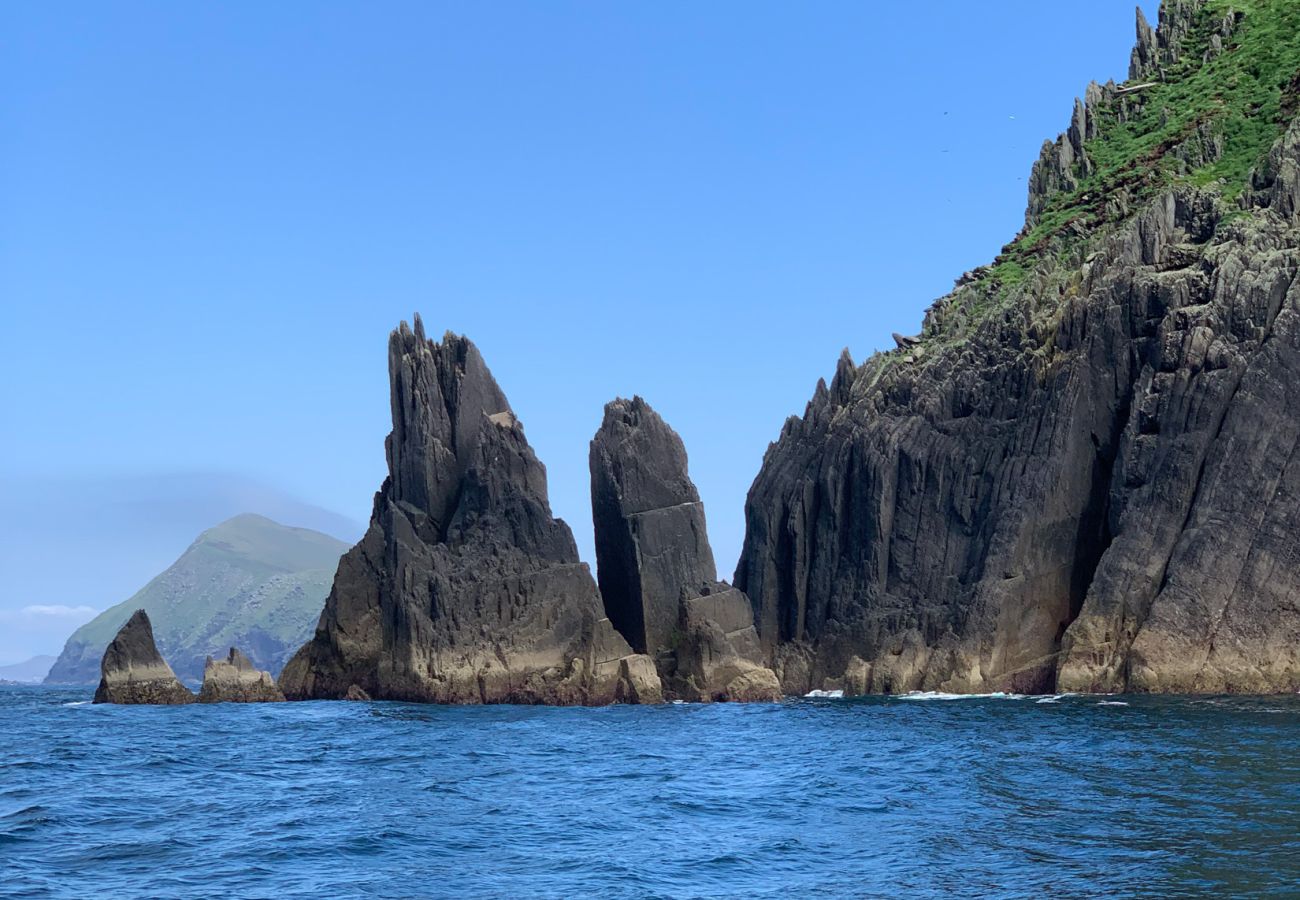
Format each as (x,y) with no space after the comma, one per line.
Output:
(922,796)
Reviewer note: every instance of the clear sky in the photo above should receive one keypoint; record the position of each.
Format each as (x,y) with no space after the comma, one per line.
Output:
(215,213)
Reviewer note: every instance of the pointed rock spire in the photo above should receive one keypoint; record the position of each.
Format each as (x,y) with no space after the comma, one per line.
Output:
(465,588)
(1144,58)
(133,671)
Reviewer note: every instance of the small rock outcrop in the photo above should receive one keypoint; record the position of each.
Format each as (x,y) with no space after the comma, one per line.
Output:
(465,589)
(236,680)
(133,671)
(656,567)
(718,655)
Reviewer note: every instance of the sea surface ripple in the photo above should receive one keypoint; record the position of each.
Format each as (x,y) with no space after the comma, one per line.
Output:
(882,797)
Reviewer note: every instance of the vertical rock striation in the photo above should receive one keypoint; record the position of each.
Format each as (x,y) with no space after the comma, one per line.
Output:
(133,671)
(464,589)
(1088,480)
(656,568)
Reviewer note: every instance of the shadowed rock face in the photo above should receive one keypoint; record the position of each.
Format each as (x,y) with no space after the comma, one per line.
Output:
(656,568)
(1095,489)
(651,540)
(236,680)
(464,589)
(133,671)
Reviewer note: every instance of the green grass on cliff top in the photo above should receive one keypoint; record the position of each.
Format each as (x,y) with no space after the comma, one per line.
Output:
(1249,94)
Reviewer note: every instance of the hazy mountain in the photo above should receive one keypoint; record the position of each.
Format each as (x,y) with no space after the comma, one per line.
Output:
(126,529)
(249,582)
(32,670)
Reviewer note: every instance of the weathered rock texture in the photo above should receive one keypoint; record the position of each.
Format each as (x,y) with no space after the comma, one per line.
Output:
(133,671)
(718,655)
(236,680)
(656,568)
(1089,481)
(464,589)
(651,540)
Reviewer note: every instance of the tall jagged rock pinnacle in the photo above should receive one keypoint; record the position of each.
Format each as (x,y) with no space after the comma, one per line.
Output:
(656,568)
(133,671)
(464,589)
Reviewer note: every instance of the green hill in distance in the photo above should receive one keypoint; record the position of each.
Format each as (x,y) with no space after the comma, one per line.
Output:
(249,583)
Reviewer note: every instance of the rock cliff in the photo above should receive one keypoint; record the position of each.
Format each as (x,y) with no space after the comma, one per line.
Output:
(236,680)
(133,671)
(464,589)
(1083,473)
(655,565)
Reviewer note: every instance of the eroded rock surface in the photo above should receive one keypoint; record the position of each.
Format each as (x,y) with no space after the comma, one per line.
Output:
(718,655)
(464,589)
(651,539)
(133,671)
(656,567)
(1090,480)
(236,680)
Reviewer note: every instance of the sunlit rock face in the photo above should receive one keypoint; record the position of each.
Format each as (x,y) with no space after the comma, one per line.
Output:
(133,671)
(236,680)
(465,589)
(1082,474)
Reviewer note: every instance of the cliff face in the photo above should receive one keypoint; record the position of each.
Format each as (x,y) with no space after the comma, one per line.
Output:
(464,589)
(1082,474)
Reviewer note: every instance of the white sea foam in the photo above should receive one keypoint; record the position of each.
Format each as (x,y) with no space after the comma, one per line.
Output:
(825,695)
(940,695)
(1111,703)
(79,703)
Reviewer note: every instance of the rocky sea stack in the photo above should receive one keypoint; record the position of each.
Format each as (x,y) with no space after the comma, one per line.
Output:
(236,680)
(657,574)
(464,589)
(1083,473)
(133,671)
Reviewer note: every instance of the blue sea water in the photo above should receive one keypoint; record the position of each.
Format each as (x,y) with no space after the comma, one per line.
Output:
(882,797)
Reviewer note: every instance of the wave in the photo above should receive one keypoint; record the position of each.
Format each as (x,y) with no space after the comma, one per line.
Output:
(825,695)
(942,695)
(80,703)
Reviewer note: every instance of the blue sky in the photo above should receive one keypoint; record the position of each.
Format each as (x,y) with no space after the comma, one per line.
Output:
(216,213)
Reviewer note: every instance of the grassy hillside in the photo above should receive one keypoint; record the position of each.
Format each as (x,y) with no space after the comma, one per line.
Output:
(1208,119)
(249,582)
